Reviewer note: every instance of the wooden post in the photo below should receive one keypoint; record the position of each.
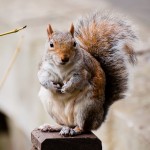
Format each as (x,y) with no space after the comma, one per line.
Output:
(53,141)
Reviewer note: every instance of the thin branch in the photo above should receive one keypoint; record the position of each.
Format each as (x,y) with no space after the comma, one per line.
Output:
(11,63)
(13,31)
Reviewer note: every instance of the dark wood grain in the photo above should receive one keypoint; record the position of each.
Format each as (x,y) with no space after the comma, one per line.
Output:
(53,141)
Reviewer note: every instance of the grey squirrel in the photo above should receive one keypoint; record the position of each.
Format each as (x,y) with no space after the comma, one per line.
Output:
(84,71)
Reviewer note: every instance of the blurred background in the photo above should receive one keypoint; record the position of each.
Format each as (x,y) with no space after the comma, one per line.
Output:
(20,108)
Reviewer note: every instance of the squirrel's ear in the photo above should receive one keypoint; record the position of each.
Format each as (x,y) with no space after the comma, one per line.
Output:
(49,30)
(72,30)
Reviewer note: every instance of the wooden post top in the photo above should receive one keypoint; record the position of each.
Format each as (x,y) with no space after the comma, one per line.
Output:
(54,141)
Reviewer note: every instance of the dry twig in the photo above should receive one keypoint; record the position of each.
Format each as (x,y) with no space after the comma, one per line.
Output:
(13,31)
(11,63)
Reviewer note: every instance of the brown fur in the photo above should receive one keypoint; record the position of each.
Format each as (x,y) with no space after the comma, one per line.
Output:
(110,40)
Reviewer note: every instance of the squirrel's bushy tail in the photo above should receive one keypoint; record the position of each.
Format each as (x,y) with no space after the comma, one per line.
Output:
(110,40)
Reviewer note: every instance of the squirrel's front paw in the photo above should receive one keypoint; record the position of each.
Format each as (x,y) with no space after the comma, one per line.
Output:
(52,86)
(66,89)
(55,87)
(63,90)
(46,84)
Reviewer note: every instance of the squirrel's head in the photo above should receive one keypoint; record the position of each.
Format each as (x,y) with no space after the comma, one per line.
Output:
(61,45)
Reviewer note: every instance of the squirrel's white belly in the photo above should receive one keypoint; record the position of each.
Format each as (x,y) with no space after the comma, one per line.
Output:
(62,108)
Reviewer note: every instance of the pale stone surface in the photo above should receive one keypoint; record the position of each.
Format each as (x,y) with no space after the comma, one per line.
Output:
(127,126)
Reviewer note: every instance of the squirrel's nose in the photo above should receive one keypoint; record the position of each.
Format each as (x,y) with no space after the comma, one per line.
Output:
(65,59)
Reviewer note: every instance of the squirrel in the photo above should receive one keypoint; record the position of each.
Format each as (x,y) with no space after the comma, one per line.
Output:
(84,71)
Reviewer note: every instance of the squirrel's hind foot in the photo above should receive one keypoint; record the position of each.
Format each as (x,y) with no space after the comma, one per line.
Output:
(49,128)
(67,131)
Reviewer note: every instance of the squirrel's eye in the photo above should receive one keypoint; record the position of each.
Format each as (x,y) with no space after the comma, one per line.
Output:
(51,44)
(74,44)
